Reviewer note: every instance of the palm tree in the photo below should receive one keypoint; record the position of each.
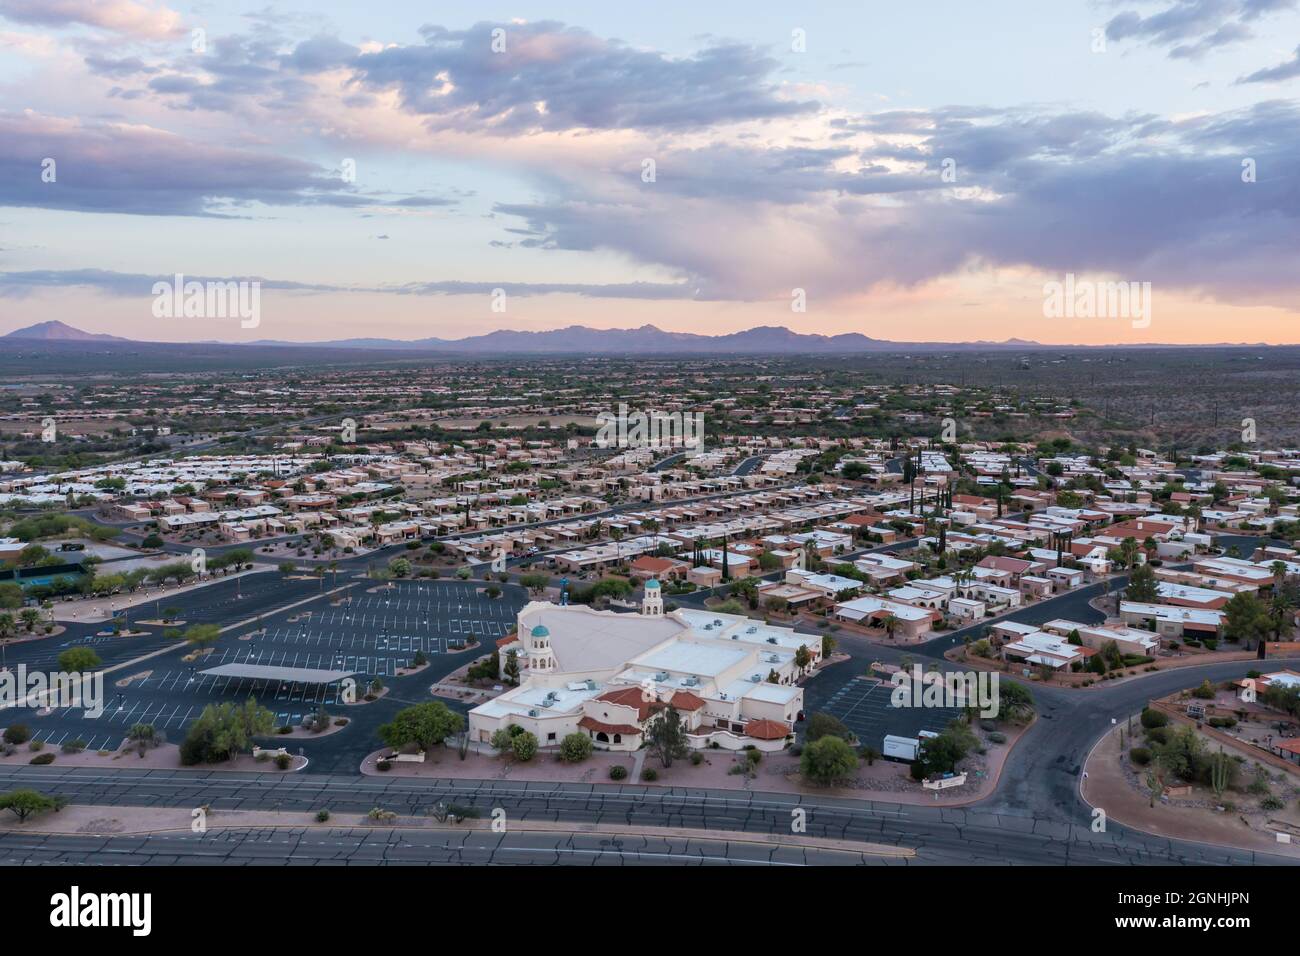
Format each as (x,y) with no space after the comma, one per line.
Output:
(1280,609)
(890,624)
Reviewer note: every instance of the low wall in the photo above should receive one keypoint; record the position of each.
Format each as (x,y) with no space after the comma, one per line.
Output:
(726,740)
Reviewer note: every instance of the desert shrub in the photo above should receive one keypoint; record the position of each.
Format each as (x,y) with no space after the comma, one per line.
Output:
(17,734)
(1140,756)
(42,759)
(617,772)
(322,816)
(1153,718)
(575,748)
(74,746)
(283,761)
(649,774)
(524,746)
(384,766)
(1158,735)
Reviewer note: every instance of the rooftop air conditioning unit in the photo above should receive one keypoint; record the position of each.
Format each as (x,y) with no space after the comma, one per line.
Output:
(755,679)
(771,640)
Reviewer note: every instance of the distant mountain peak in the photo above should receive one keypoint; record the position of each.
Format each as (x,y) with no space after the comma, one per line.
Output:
(647,339)
(56,331)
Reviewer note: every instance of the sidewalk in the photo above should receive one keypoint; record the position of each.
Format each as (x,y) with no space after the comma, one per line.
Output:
(96,610)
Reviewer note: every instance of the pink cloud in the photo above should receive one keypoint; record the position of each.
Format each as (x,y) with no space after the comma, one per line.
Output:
(139,20)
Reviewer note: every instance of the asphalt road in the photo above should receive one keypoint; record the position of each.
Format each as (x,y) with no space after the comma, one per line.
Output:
(998,832)
(1035,816)
(388,847)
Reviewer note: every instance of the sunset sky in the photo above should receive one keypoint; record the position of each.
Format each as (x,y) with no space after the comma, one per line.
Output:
(1102,138)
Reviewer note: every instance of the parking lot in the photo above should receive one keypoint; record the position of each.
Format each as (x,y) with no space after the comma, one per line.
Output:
(370,634)
(863,705)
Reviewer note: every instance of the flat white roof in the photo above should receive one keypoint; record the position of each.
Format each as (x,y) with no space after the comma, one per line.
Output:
(708,660)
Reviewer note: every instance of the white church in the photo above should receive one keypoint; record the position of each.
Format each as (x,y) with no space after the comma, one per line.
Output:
(733,680)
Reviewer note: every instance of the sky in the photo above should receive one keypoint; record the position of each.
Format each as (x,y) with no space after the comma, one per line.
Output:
(912,172)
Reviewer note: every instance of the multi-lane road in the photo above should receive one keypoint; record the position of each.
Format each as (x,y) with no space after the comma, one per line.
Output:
(1035,815)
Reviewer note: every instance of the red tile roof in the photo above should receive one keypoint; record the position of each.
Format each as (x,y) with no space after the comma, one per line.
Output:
(590,723)
(629,697)
(767,729)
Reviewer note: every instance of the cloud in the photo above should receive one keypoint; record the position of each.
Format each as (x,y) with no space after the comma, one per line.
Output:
(1189,29)
(554,77)
(1137,196)
(116,168)
(23,283)
(1287,70)
(139,21)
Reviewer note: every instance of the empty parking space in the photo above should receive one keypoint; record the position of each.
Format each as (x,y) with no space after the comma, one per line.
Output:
(369,634)
(863,705)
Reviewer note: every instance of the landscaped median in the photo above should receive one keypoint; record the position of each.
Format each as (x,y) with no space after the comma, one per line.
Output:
(90,820)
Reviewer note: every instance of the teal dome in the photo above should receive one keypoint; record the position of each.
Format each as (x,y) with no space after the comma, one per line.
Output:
(540,631)
(652,585)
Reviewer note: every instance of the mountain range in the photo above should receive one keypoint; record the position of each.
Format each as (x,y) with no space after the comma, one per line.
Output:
(626,342)
(575,339)
(572,340)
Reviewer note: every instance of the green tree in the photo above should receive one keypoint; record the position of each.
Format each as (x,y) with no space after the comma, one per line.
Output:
(824,725)
(1246,619)
(11,595)
(828,760)
(201,635)
(78,660)
(24,803)
(425,725)
(942,754)
(535,581)
(224,730)
(1142,585)
(666,737)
